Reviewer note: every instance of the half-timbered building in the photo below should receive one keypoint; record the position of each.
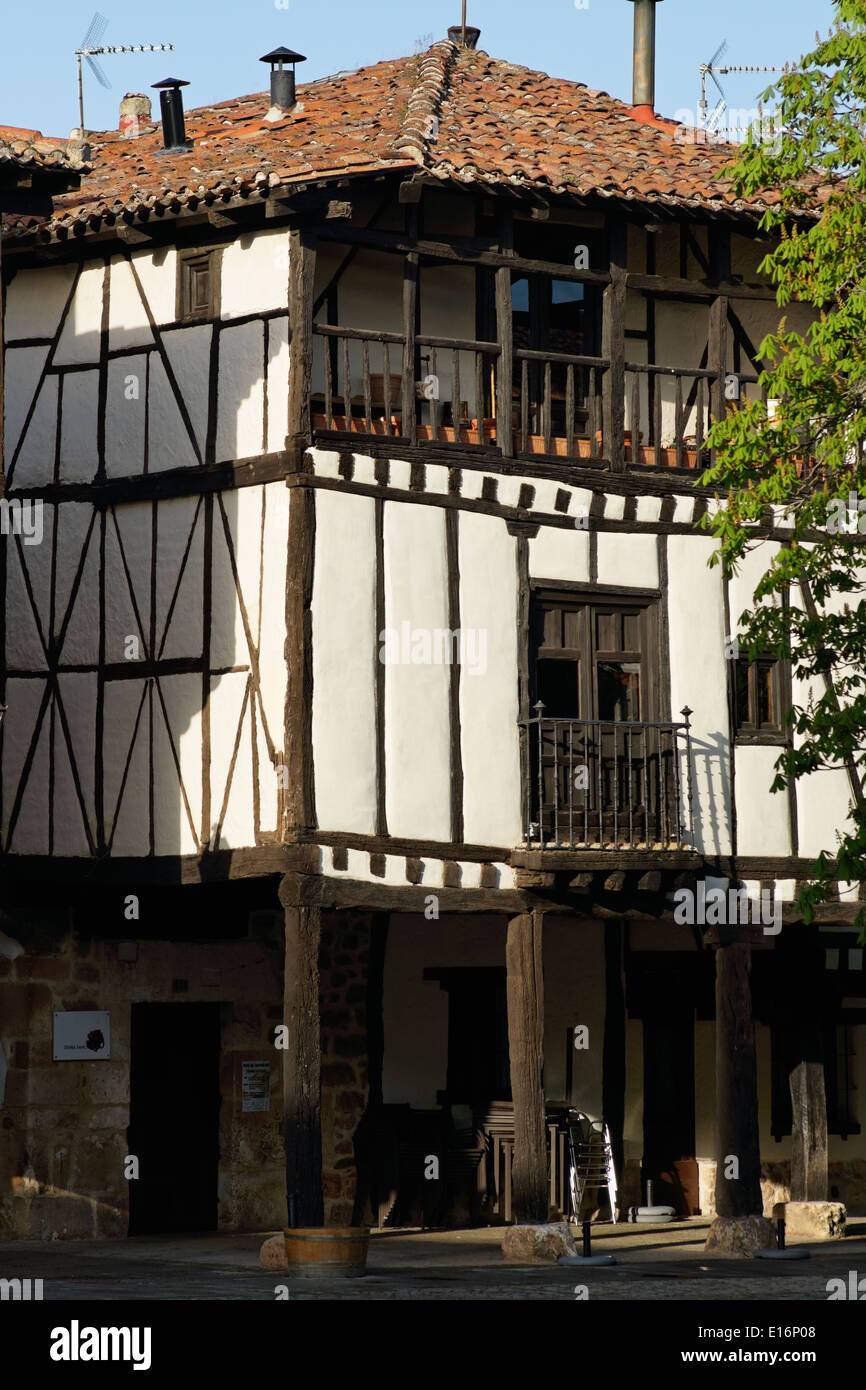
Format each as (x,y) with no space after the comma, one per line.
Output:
(369,693)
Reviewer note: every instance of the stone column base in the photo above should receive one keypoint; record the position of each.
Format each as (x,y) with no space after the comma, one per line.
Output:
(532,1244)
(740,1235)
(817,1220)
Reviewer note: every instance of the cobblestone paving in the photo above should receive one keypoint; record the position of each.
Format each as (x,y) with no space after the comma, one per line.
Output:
(439,1266)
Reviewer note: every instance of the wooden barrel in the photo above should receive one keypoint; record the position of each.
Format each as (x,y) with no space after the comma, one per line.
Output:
(327,1252)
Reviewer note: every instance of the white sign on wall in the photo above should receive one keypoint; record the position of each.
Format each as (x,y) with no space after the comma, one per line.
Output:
(256,1087)
(82,1036)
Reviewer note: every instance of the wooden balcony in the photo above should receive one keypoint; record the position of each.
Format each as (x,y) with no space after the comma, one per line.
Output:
(606,785)
(559,402)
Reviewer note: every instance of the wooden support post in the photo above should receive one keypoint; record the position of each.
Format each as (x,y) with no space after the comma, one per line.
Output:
(302,1105)
(738,1170)
(613,348)
(809,1167)
(410,306)
(613,1068)
(505,334)
(717,355)
(525,991)
(302,274)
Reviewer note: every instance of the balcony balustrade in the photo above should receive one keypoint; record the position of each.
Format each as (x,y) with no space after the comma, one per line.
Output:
(591,783)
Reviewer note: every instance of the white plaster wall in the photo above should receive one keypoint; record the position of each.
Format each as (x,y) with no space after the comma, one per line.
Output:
(488,699)
(278,384)
(417,725)
(698,678)
(763,824)
(253,516)
(188,351)
(79,415)
(178,818)
(35,300)
(169,443)
(126,415)
(23,367)
(574,993)
(558,554)
(628,561)
(79,341)
(34,466)
(272,664)
(240,419)
(416,1010)
(128,324)
(345,656)
(23,698)
(157,271)
(254,274)
(76,538)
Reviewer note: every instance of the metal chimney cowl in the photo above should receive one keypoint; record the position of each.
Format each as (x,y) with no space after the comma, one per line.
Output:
(171,109)
(644,78)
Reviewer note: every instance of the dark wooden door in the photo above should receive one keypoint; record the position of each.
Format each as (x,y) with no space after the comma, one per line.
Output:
(174,1117)
(669,1103)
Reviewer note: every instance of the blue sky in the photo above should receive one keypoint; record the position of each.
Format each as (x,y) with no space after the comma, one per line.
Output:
(217,44)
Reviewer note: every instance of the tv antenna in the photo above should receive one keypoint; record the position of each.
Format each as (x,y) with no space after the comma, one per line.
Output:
(91,45)
(710,70)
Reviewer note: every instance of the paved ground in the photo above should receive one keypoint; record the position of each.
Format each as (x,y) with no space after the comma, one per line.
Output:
(653,1263)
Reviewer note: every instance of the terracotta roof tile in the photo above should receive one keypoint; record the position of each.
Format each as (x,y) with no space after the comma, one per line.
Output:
(459,114)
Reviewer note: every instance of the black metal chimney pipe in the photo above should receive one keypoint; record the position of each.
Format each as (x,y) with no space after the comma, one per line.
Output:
(644,82)
(282,78)
(171,109)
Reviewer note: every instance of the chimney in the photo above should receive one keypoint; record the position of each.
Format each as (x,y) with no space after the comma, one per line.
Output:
(644,89)
(457,32)
(134,113)
(282,80)
(171,109)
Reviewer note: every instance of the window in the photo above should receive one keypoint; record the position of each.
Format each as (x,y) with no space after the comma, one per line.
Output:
(758,701)
(599,767)
(197,286)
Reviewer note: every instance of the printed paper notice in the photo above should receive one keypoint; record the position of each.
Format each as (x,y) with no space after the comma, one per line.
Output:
(256,1088)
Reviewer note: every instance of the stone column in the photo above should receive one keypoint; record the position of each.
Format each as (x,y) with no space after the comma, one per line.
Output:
(525,988)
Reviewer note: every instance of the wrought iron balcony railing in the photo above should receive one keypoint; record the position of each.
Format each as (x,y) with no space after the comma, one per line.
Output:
(593,783)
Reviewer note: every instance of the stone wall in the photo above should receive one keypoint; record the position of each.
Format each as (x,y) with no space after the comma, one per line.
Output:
(63,1125)
(343,965)
(847,1184)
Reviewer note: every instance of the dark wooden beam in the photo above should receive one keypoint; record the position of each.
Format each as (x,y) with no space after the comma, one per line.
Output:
(613,1067)
(298,799)
(613,348)
(302,274)
(302,1081)
(525,990)
(410,317)
(717,354)
(699,289)
(502,406)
